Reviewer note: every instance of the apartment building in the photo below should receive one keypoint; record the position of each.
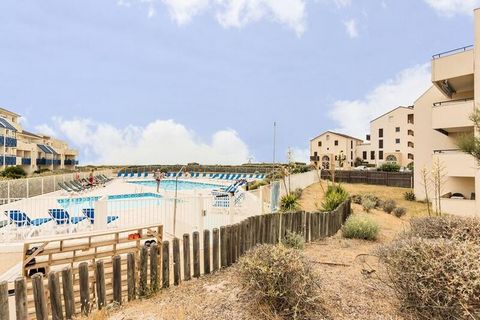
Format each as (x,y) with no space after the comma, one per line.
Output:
(333,150)
(390,139)
(441,117)
(29,150)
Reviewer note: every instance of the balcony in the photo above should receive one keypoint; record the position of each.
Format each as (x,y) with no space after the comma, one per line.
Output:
(8,142)
(8,160)
(57,162)
(458,207)
(26,161)
(44,162)
(452,71)
(314,158)
(457,163)
(70,162)
(452,116)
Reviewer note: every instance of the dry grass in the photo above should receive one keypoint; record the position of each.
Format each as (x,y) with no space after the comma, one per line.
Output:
(313,196)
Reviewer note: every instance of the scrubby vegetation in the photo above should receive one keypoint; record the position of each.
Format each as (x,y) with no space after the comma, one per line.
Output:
(435,278)
(360,226)
(257,184)
(335,195)
(399,212)
(282,278)
(446,227)
(289,203)
(368,204)
(294,240)
(389,205)
(389,167)
(409,196)
(16,172)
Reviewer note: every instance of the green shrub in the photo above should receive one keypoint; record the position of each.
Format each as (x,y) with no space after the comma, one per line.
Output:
(289,203)
(334,196)
(389,205)
(368,204)
(294,240)
(410,166)
(257,184)
(435,278)
(399,212)
(16,172)
(297,193)
(446,227)
(282,278)
(389,167)
(373,198)
(357,198)
(409,196)
(360,226)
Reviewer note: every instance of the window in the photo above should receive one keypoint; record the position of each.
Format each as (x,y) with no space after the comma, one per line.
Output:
(319,143)
(315,154)
(328,137)
(380,144)
(336,142)
(368,137)
(380,133)
(410,156)
(410,132)
(364,155)
(410,144)
(397,129)
(372,155)
(380,155)
(351,154)
(397,141)
(351,144)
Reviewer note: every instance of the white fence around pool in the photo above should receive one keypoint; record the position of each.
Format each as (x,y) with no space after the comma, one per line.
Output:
(38,217)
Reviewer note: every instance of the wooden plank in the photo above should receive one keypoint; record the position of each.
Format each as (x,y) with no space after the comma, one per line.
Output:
(142,286)
(206,251)
(39,297)
(55,296)
(176,262)
(68,294)
(223,246)
(215,249)
(117,280)
(84,288)
(187,273)
(21,308)
(196,255)
(154,281)
(165,264)
(4,309)
(100,285)
(131,275)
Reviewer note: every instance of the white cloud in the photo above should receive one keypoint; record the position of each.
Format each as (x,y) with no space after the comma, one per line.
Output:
(234,13)
(45,129)
(353,116)
(161,141)
(300,155)
(351,28)
(453,7)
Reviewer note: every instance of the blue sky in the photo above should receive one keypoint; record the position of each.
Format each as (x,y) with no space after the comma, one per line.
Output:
(158,81)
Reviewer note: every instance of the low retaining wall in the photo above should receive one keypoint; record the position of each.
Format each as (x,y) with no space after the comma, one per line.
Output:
(391,179)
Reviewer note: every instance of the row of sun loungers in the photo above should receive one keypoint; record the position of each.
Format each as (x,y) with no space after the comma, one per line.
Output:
(59,217)
(79,186)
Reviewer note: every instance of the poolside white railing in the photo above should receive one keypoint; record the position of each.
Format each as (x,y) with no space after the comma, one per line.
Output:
(35,217)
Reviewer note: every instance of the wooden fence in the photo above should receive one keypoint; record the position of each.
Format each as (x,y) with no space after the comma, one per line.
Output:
(158,266)
(391,179)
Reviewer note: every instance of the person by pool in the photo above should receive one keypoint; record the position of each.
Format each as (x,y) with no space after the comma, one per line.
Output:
(158,178)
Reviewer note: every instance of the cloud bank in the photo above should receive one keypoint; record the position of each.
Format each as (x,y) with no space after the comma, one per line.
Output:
(453,7)
(354,116)
(161,141)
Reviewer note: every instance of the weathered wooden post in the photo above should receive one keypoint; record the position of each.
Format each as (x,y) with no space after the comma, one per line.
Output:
(176,261)
(84,288)
(117,279)
(206,251)
(100,284)
(154,283)
(186,257)
(215,249)
(165,264)
(21,310)
(39,297)
(196,255)
(68,297)
(142,288)
(4,310)
(131,275)
(55,296)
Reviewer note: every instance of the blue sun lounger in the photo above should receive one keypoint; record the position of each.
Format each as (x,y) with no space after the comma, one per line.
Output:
(119,174)
(139,174)
(145,175)
(62,217)
(90,215)
(21,219)
(221,176)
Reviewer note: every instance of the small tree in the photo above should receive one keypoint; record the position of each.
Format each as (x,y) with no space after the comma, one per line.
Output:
(469,143)
(438,178)
(425,182)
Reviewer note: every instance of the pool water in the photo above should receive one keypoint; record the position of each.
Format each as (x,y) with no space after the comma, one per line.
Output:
(181,184)
(88,202)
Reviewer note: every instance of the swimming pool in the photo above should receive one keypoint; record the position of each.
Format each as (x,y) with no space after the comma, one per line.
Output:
(182,185)
(88,202)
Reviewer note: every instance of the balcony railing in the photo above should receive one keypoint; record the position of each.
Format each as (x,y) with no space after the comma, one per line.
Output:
(450,102)
(9,142)
(456,162)
(44,162)
(56,162)
(453,51)
(26,161)
(314,158)
(9,160)
(70,162)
